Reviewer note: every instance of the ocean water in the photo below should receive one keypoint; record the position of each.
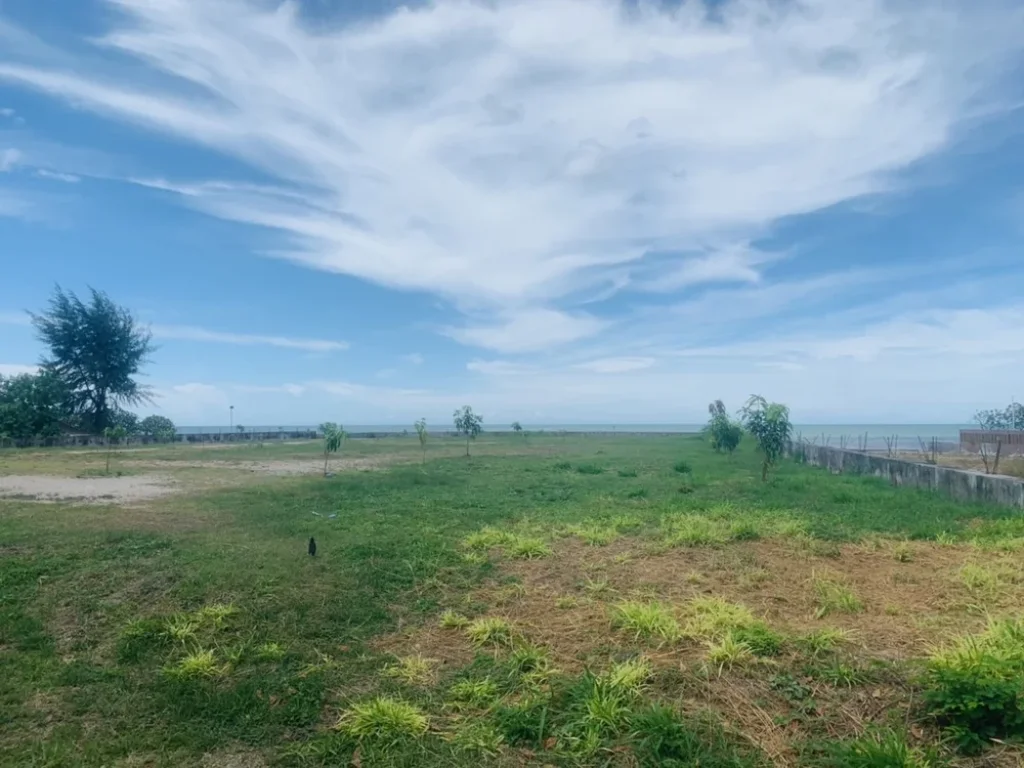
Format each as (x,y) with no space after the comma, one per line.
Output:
(854,435)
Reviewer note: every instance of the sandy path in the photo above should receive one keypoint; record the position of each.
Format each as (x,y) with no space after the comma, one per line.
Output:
(116,490)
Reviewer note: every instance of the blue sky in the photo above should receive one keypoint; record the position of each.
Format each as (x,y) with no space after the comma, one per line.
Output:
(558,211)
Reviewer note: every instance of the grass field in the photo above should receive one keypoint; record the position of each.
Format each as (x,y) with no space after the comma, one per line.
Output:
(551,601)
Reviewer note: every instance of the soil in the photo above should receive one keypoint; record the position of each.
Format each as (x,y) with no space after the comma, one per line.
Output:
(88,490)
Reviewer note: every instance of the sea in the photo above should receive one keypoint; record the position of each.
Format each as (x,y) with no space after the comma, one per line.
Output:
(870,436)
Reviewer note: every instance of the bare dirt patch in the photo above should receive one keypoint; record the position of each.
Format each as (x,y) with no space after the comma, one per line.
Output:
(86,490)
(273,466)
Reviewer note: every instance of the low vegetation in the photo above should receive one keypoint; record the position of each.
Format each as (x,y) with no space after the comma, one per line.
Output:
(527,605)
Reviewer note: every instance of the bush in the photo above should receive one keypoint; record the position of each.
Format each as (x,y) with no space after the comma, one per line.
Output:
(723,433)
(160,428)
(975,688)
(682,467)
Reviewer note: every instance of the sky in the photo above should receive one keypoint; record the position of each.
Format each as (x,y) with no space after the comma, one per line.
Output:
(555,211)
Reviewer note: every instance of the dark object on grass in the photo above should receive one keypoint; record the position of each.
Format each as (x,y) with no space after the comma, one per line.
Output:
(312,547)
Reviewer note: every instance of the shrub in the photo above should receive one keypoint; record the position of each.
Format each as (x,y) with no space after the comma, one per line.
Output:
(589,469)
(682,467)
(975,687)
(724,433)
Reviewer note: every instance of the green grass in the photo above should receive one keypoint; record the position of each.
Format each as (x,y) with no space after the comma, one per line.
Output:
(652,622)
(197,624)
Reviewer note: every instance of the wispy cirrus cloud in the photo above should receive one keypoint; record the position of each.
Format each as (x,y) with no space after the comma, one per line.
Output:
(16,369)
(194,333)
(465,149)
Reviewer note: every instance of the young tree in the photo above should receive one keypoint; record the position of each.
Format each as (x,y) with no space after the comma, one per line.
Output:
(114,436)
(334,436)
(769,424)
(467,423)
(517,427)
(160,428)
(96,349)
(421,433)
(724,433)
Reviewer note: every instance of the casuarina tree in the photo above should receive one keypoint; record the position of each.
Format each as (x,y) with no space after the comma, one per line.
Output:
(96,349)
(769,424)
(467,424)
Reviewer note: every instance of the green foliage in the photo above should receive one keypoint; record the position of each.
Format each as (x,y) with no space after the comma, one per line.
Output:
(96,350)
(334,438)
(33,405)
(880,748)
(682,467)
(491,631)
(113,436)
(589,469)
(769,424)
(835,597)
(974,688)
(663,738)
(517,427)
(1011,417)
(160,428)
(421,434)
(723,433)
(527,548)
(760,638)
(647,621)
(384,720)
(467,424)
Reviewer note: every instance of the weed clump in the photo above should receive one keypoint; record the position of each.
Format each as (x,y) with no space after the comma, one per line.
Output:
(835,597)
(412,670)
(647,621)
(491,631)
(453,620)
(196,665)
(384,720)
(974,688)
(883,748)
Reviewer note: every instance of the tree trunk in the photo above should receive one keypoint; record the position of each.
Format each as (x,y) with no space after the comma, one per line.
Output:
(467,445)
(326,455)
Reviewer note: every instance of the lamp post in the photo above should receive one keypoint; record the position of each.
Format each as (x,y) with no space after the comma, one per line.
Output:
(231,417)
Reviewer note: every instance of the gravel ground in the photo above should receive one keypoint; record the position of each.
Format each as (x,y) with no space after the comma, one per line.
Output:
(116,490)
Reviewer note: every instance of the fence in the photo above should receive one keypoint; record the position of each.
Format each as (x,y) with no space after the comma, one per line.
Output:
(961,484)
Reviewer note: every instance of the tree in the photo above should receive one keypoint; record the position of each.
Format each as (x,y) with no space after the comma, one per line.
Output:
(114,436)
(724,433)
(769,424)
(334,436)
(32,405)
(96,349)
(160,428)
(517,427)
(467,423)
(421,433)
(1010,418)
(126,420)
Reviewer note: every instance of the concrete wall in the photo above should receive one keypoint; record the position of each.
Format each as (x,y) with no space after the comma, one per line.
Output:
(958,483)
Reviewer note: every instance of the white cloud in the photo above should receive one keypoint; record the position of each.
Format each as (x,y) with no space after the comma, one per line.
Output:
(15,369)
(617,364)
(193,333)
(529,330)
(6,112)
(8,159)
(514,154)
(414,359)
(68,178)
